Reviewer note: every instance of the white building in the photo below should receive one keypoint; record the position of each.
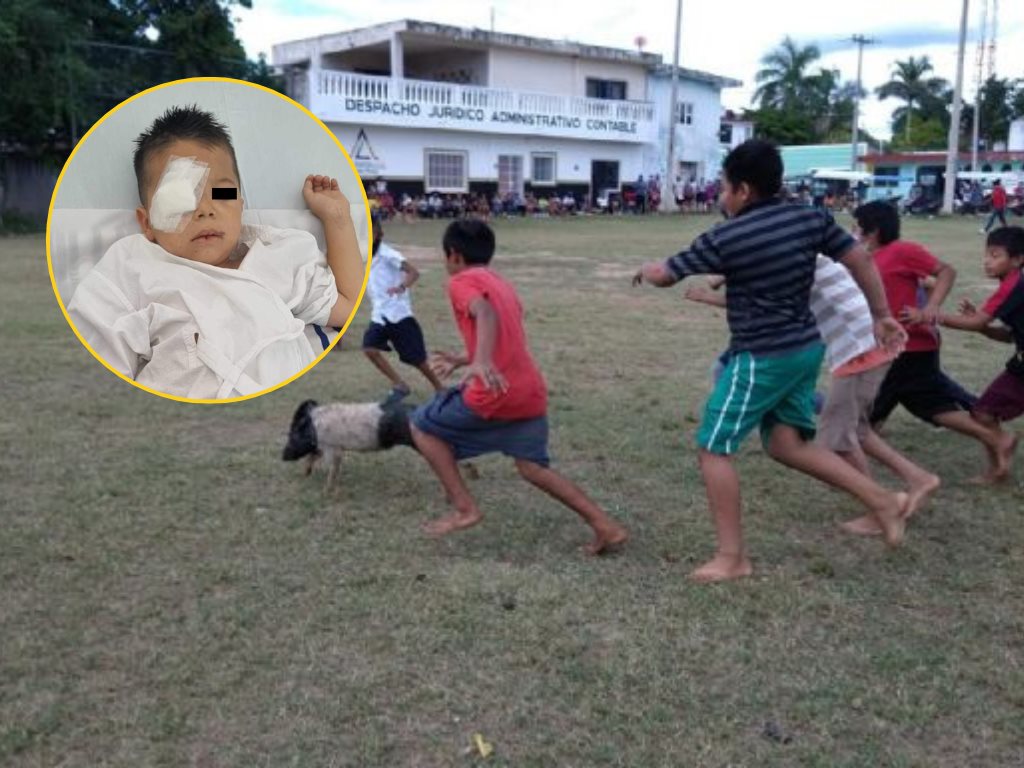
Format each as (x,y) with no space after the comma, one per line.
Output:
(433,107)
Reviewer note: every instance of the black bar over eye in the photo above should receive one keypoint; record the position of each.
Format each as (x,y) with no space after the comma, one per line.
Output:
(225,193)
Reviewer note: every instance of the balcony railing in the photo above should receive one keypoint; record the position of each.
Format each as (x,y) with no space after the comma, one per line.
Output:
(369,99)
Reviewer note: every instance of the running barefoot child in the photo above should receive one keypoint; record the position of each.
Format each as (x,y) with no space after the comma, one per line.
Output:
(392,323)
(1003,400)
(500,404)
(858,365)
(916,379)
(767,251)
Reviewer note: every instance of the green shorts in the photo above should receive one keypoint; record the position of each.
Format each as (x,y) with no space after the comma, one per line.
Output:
(756,390)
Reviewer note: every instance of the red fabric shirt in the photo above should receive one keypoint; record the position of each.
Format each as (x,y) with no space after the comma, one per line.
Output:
(998,198)
(1006,285)
(527,394)
(902,265)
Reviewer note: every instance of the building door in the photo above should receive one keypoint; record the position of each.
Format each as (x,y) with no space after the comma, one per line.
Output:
(510,174)
(604,174)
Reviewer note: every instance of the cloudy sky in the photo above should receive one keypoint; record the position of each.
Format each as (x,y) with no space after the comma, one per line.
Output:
(719,36)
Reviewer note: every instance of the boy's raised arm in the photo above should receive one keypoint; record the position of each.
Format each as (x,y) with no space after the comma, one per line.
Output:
(327,202)
(482,365)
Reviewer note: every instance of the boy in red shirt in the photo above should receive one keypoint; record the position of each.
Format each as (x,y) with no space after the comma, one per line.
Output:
(916,380)
(501,401)
(998,206)
(1003,400)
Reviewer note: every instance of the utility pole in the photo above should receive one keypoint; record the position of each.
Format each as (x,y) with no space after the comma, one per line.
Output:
(978,83)
(861,41)
(953,146)
(667,197)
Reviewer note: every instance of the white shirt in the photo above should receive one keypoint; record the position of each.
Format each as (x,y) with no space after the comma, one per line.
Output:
(198,331)
(842,313)
(386,272)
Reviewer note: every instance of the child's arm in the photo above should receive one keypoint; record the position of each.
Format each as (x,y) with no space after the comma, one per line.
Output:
(705,295)
(482,365)
(937,293)
(327,203)
(410,276)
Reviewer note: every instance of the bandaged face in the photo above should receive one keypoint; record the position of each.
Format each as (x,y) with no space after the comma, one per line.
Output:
(193,203)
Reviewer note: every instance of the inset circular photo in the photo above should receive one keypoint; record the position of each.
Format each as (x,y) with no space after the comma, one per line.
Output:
(208,240)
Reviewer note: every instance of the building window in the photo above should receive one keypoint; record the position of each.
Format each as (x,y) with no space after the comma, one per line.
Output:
(446,171)
(887,176)
(606,89)
(685,112)
(510,174)
(725,133)
(544,168)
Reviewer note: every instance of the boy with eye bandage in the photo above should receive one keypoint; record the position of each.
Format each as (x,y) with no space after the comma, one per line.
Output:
(198,305)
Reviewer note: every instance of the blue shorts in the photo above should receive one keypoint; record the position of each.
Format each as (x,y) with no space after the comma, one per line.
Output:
(405,336)
(448,418)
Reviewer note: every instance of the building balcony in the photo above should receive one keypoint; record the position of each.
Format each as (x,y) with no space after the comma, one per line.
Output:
(346,97)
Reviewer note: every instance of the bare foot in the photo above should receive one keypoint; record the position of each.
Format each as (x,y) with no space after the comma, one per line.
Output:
(1004,455)
(456,521)
(865,525)
(607,540)
(918,494)
(891,518)
(723,567)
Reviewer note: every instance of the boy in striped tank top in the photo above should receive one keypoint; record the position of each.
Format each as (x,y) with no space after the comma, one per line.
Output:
(767,252)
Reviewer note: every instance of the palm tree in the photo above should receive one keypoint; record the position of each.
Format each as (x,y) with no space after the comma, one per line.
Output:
(783,79)
(910,85)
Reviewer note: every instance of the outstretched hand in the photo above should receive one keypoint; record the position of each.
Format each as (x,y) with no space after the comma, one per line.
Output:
(442,364)
(324,198)
(489,376)
(890,335)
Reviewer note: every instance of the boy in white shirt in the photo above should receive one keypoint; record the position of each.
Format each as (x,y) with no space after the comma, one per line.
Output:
(392,324)
(197,305)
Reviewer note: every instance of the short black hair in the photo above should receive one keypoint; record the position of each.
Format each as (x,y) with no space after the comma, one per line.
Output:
(1010,238)
(472,238)
(758,163)
(176,124)
(879,217)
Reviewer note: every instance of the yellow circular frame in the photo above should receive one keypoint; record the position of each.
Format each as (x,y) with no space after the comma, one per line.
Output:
(366,272)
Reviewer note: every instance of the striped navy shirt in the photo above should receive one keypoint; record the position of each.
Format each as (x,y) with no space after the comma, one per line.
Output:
(767,253)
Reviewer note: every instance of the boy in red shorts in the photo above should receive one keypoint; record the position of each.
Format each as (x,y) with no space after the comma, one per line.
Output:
(500,404)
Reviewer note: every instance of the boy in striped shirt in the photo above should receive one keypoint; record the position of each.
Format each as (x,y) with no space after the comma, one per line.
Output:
(767,252)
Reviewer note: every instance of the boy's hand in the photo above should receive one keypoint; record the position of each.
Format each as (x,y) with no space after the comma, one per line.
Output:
(917,316)
(653,272)
(324,198)
(488,375)
(699,293)
(890,335)
(394,290)
(443,363)
(967,307)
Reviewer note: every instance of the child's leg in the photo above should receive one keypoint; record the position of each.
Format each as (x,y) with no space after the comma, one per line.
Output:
(435,382)
(442,460)
(998,444)
(722,485)
(920,482)
(608,532)
(381,363)
(788,447)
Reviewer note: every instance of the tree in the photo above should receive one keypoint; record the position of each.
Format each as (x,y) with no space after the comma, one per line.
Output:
(910,84)
(783,82)
(995,110)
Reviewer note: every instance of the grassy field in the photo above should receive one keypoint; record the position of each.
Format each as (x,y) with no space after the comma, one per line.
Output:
(172,594)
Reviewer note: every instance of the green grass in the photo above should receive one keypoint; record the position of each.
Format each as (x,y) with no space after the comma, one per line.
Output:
(172,594)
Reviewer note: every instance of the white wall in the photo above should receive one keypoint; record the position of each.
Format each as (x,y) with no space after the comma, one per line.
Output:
(400,152)
(522,70)
(695,143)
(276,144)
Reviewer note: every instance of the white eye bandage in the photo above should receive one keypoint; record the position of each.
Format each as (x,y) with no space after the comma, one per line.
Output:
(178,194)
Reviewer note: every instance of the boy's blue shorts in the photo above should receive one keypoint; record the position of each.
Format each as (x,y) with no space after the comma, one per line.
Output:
(448,418)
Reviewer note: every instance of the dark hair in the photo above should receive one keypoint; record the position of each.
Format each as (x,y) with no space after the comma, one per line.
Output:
(176,124)
(472,238)
(881,218)
(1010,238)
(758,163)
